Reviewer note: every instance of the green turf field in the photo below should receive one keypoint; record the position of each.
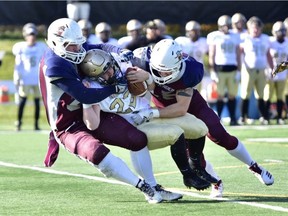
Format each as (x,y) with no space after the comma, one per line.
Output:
(70,186)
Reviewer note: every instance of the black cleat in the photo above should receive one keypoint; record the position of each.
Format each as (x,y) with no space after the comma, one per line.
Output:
(196,182)
(201,173)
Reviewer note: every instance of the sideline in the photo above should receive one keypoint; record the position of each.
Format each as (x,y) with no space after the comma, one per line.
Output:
(101,179)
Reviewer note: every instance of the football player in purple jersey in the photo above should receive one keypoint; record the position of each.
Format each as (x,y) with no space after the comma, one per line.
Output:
(63,94)
(172,77)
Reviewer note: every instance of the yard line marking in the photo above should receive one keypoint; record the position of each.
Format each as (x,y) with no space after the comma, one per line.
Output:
(101,179)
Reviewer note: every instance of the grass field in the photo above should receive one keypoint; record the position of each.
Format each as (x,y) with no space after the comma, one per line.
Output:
(72,187)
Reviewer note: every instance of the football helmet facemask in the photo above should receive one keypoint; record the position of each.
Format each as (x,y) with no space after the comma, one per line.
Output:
(62,33)
(166,56)
(96,63)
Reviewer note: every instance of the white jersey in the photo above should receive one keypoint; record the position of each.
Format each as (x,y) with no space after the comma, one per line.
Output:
(124,41)
(279,53)
(112,41)
(197,49)
(255,51)
(93,39)
(125,103)
(225,47)
(27,60)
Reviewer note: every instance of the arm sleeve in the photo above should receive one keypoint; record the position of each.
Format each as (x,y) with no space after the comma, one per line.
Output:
(84,95)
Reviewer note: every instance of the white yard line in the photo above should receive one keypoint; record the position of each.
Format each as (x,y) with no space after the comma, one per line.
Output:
(51,171)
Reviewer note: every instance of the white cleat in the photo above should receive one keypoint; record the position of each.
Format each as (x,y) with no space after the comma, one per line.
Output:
(150,194)
(262,174)
(217,190)
(167,195)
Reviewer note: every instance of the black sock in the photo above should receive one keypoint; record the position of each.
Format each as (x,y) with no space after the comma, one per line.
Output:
(179,155)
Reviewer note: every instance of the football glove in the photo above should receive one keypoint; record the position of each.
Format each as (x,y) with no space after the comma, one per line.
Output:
(144,115)
(126,55)
(279,68)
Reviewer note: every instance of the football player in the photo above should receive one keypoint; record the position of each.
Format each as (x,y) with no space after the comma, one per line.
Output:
(104,69)
(225,61)
(193,44)
(256,57)
(63,92)
(279,53)
(27,57)
(174,75)
(134,31)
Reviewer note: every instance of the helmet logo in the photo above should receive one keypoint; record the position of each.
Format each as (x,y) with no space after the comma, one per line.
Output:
(60,31)
(179,55)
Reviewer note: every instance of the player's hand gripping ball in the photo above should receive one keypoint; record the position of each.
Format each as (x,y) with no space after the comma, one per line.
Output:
(136,89)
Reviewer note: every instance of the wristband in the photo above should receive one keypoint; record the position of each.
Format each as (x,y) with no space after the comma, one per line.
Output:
(156,113)
(149,81)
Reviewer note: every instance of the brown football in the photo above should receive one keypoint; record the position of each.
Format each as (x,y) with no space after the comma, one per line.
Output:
(136,89)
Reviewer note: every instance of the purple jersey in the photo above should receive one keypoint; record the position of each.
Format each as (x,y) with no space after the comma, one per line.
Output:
(190,75)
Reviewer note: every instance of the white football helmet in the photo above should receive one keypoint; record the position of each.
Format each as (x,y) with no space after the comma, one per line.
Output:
(192,25)
(96,63)
(133,25)
(62,33)
(28,29)
(238,17)
(166,56)
(224,20)
(278,27)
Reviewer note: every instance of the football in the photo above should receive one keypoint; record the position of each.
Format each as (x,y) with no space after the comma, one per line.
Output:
(136,89)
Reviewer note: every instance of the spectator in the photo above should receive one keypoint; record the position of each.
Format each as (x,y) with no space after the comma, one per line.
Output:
(255,49)
(279,53)
(77,10)
(27,57)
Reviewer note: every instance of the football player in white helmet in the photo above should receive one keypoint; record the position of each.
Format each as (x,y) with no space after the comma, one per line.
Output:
(63,94)
(178,97)
(279,53)
(104,32)
(134,31)
(255,49)
(86,27)
(225,62)
(27,57)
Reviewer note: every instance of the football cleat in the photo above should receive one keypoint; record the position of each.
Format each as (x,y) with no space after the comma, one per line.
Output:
(150,194)
(262,174)
(217,190)
(167,195)
(201,172)
(196,182)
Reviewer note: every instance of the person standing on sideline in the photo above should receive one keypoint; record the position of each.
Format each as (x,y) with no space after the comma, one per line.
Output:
(77,10)
(256,58)
(224,60)
(27,57)
(279,53)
